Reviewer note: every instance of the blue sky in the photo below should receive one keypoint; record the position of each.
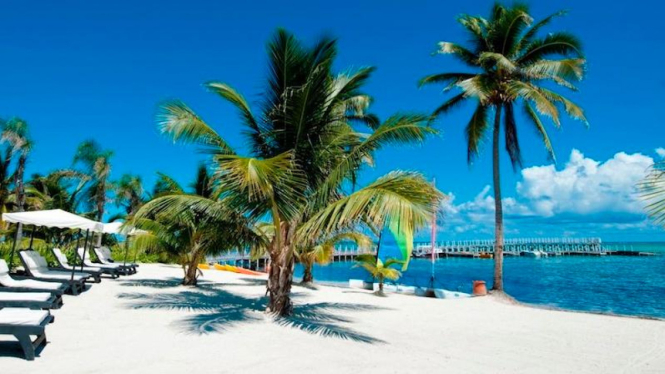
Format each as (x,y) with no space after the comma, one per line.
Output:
(80,69)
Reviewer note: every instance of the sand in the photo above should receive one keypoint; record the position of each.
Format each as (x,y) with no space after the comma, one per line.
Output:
(146,323)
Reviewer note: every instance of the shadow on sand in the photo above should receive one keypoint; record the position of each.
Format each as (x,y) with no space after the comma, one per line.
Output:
(216,310)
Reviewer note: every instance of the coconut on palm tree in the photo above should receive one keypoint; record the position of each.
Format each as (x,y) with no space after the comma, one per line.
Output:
(513,67)
(309,141)
(96,165)
(379,270)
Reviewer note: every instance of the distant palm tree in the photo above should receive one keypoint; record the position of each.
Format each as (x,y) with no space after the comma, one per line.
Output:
(129,194)
(189,235)
(15,132)
(6,181)
(378,269)
(512,64)
(59,189)
(322,252)
(307,145)
(96,164)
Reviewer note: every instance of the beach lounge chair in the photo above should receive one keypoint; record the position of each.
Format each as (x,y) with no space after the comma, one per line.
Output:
(104,256)
(107,268)
(16,283)
(22,323)
(63,264)
(32,300)
(37,268)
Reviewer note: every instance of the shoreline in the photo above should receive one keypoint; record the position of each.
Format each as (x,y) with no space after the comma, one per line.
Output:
(505,298)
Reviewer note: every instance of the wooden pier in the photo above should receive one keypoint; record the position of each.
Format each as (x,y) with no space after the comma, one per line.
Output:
(528,247)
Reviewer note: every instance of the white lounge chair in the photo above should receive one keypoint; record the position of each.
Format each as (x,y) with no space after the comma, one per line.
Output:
(36,267)
(104,255)
(16,283)
(63,264)
(32,300)
(22,323)
(84,255)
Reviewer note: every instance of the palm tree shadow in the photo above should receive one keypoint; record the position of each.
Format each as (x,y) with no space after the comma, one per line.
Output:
(158,283)
(215,311)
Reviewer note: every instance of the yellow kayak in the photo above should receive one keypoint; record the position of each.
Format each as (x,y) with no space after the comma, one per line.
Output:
(204,266)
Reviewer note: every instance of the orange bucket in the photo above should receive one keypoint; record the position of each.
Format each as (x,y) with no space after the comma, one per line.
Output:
(479,288)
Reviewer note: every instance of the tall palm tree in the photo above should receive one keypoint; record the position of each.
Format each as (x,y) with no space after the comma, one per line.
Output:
(512,65)
(96,165)
(189,235)
(307,145)
(6,181)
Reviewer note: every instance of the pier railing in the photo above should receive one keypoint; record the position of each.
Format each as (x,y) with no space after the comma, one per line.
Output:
(464,248)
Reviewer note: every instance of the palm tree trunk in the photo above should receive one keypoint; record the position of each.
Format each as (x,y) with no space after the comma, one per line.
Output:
(498,205)
(20,192)
(307,276)
(280,279)
(191,270)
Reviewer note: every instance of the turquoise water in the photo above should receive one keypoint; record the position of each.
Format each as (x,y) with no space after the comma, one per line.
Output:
(609,284)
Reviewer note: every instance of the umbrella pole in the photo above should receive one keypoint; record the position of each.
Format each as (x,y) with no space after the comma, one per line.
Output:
(85,244)
(11,257)
(78,239)
(32,236)
(126,250)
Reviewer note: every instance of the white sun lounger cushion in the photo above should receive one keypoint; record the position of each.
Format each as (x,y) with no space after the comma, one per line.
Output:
(38,268)
(65,263)
(22,316)
(7,281)
(87,262)
(25,296)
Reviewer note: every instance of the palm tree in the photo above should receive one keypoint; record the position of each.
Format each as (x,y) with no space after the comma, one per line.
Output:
(378,269)
(15,132)
(191,234)
(59,189)
(307,147)
(322,252)
(5,182)
(95,163)
(129,194)
(512,63)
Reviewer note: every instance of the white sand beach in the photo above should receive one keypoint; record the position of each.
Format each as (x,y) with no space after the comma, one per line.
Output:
(147,324)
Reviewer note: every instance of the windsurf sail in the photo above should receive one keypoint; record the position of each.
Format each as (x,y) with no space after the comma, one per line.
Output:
(396,242)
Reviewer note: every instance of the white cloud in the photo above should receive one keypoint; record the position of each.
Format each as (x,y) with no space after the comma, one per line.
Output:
(660,152)
(582,197)
(585,186)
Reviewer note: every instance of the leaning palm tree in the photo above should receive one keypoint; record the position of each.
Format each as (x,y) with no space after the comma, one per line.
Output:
(512,65)
(307,145)
(96,165)
(379,270)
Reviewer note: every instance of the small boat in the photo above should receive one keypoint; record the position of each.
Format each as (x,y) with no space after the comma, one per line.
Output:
(535,253)
(486,255)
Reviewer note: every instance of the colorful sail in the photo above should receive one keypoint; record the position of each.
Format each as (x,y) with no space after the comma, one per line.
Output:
(396,242)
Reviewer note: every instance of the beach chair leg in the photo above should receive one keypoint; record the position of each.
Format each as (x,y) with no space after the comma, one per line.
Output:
(26,345)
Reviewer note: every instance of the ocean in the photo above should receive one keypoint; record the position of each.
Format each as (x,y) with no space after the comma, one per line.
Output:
(622,285)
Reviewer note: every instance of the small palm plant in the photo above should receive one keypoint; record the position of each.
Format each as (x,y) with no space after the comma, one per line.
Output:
(379,270)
